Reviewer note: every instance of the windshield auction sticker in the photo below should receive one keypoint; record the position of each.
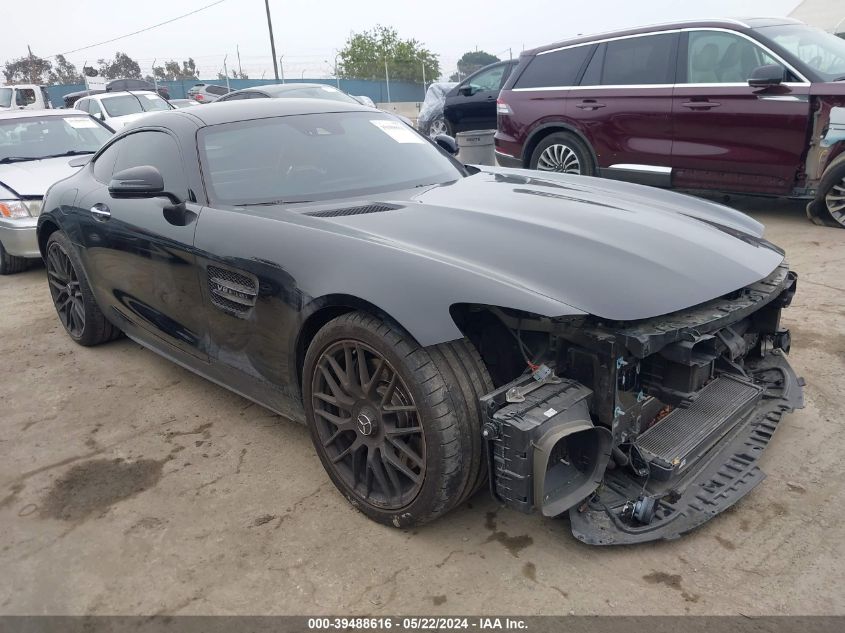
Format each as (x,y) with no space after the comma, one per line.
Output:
(398,131)
(80,122)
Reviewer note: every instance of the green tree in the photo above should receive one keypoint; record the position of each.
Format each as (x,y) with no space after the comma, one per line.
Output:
(29,69)
(173,71)
(121,67)
(364,56)
(65,72)
(472,61)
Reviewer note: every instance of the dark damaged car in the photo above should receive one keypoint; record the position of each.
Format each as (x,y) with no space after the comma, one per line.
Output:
(583,346)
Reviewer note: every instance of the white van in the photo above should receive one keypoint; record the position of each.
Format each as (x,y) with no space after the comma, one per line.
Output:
(24,97)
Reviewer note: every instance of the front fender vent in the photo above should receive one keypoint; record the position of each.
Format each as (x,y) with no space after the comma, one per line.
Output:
(361,210)
(232,292)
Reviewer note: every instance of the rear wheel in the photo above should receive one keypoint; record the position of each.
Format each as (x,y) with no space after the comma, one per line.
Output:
(828,208)
(10,264)
(562,152)
(72,297)
(396,426)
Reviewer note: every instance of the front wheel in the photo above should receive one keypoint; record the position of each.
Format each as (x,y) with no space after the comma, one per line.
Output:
(562,152)
(396,426)
(72,297)
(438,126)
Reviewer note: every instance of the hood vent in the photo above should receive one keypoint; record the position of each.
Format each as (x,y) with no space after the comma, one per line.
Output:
(368,208)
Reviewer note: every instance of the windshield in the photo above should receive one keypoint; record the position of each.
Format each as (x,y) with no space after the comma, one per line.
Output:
(5,97)
(318,157)
(39,137)
(318,92)
(823,52)
(133,104)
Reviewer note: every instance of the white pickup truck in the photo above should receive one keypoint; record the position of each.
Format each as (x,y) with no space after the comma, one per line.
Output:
(24,97)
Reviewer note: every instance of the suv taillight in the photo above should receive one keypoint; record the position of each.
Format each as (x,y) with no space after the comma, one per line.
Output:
(503,108)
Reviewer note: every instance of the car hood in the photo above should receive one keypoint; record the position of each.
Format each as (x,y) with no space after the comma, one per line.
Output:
(33,178)
(611,249)
(126,119)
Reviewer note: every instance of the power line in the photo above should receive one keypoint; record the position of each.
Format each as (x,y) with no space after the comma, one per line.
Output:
(149,28)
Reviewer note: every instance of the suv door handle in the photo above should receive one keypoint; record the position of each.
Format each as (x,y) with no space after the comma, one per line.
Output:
(100,212)
(590,104)
(700,105)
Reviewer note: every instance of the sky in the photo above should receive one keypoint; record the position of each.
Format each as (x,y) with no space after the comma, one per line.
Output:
(309,33)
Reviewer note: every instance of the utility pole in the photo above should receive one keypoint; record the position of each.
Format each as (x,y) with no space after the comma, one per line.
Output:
(31,66)
(387,79)
(226,71)
(272,42)
(423,69)
(282,67)
(336,76)
(155,81)
(240,70)
(510,54)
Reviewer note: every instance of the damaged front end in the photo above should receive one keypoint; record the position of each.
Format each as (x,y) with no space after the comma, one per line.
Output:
(643,430)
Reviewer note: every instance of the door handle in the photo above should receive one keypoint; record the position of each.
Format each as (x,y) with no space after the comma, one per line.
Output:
(491,98)
(590,104)
(700,105)
(100,212)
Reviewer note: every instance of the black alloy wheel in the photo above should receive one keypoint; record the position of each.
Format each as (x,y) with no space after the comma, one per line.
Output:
(66,290)
(75,304)
(368,424)
(397,426)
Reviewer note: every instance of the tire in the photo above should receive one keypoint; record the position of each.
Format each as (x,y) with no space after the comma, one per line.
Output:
(72,297)
(439,125)
(436,390)
(562,152)
(11,264)
(828,209)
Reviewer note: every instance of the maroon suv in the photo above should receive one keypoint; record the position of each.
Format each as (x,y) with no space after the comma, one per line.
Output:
(748,107)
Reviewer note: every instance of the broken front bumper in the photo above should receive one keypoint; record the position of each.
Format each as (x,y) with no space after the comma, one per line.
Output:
(545,453)
(713,483)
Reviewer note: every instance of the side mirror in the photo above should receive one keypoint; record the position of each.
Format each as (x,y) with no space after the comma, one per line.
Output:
(467,90)
(144,181)
(447,143)
(768,75)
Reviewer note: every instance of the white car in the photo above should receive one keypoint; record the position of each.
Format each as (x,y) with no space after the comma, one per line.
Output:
(116,109)
(36,150)
(24,97)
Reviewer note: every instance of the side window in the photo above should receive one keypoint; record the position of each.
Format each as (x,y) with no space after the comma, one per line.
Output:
(24,96)
(104,165)
(238,97)
(592,75)
(645,60)
(489,79)
(160,150)
(558,68)
(720,57)
(94,107)
(82,104)
(46,97)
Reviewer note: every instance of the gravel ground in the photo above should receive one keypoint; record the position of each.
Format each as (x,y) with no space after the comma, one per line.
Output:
(130,486)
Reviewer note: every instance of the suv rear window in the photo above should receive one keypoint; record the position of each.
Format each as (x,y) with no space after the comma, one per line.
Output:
(557,68)
(216,90)
(642,60)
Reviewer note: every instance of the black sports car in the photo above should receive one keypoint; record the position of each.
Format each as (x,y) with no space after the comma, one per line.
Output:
(585,346)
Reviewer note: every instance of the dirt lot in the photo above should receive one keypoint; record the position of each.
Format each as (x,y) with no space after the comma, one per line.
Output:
(130,486)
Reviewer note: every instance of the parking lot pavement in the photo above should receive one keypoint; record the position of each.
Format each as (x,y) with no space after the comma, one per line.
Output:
(129,485)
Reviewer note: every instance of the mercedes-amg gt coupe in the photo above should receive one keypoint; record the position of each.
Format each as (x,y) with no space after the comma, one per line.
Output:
(583,346)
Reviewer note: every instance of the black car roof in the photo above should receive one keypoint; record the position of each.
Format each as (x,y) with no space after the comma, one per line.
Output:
(723,23)
(244,110)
